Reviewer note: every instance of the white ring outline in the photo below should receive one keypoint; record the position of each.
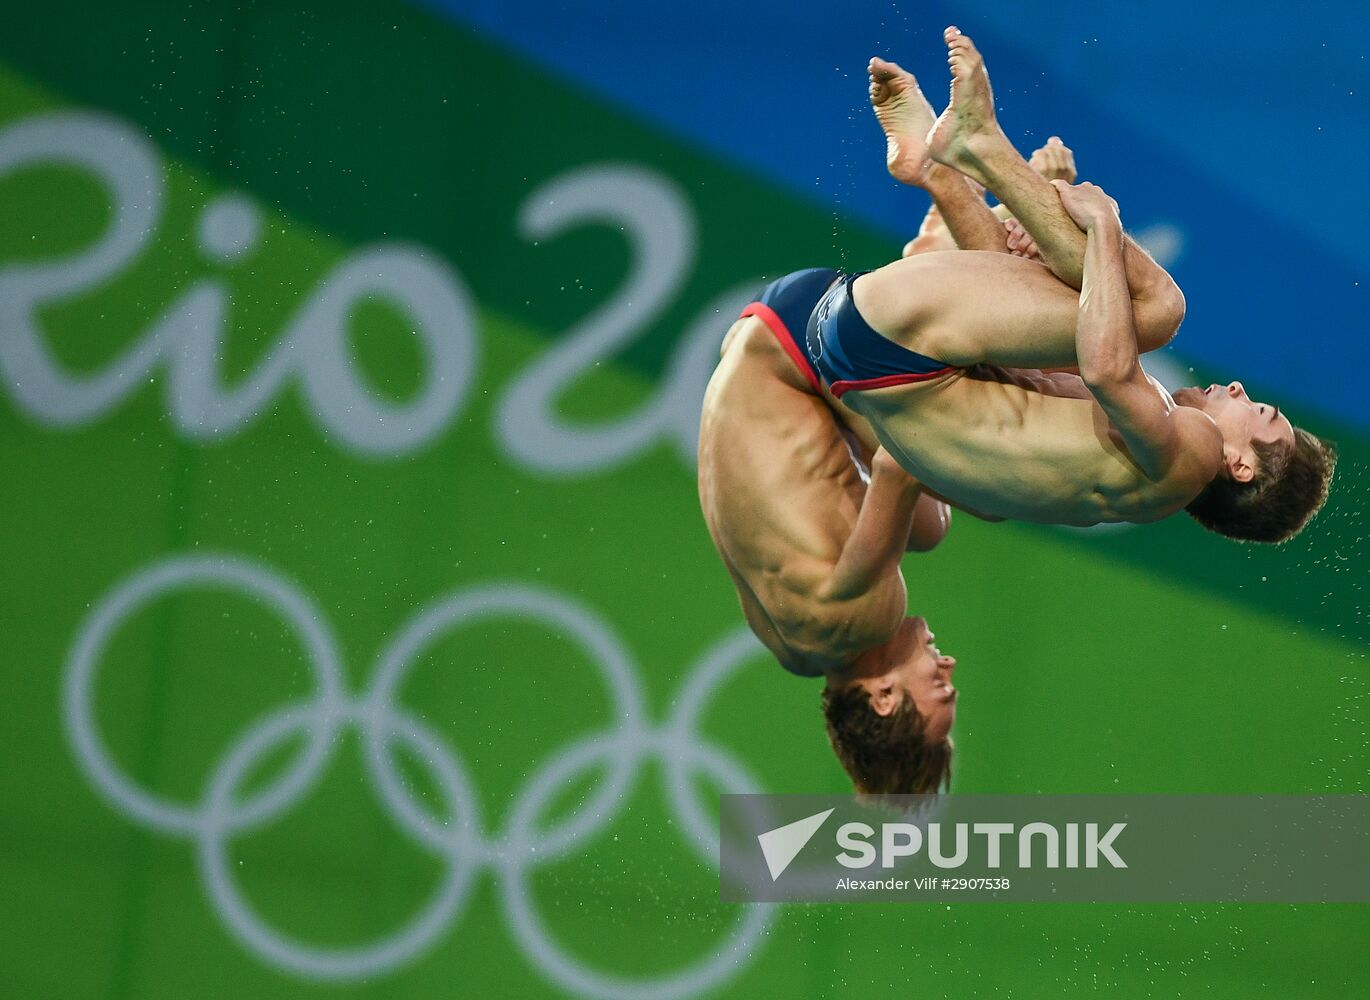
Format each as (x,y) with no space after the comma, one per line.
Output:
(568,972)
(602,647)
(326,963)
(225,573)
(461,841)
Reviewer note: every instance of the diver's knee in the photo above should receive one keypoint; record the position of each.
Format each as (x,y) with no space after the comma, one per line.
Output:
(1161,319)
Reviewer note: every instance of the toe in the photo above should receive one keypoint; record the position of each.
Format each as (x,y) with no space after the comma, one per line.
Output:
(884,71)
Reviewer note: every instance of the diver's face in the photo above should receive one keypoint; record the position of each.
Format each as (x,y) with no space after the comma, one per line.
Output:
(924,671)
(1241,419)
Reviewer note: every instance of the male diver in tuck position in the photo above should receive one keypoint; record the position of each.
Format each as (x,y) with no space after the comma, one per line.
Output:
(813,545)
(1108,444)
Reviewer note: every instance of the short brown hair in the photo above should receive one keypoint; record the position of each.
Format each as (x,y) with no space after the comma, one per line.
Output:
(1289,487)
(884,754)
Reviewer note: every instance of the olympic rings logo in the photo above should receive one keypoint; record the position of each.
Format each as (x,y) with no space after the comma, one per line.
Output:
(222,811)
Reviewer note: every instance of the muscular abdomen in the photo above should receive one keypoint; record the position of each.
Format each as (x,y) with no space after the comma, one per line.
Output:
(1006,451)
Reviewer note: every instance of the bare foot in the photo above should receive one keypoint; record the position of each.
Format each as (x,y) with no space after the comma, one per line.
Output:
(967,129)
(905,115)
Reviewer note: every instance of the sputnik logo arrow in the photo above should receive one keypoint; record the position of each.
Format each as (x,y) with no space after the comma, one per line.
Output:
(781,845)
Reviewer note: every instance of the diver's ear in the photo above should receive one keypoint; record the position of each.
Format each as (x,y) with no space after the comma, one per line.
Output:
(1239,465)
(885,698)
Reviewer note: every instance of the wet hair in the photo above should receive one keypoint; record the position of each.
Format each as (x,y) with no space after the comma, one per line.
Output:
(884,754)
(1289,487)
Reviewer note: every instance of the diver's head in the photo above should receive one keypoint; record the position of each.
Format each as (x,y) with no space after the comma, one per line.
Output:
(1274,476)
(889,716)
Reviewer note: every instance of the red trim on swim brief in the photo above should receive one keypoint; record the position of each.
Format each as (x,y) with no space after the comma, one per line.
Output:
(772,319)
(856,385)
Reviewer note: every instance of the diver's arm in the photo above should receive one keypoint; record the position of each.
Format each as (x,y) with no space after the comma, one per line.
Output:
(1106,344)
(882,529)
